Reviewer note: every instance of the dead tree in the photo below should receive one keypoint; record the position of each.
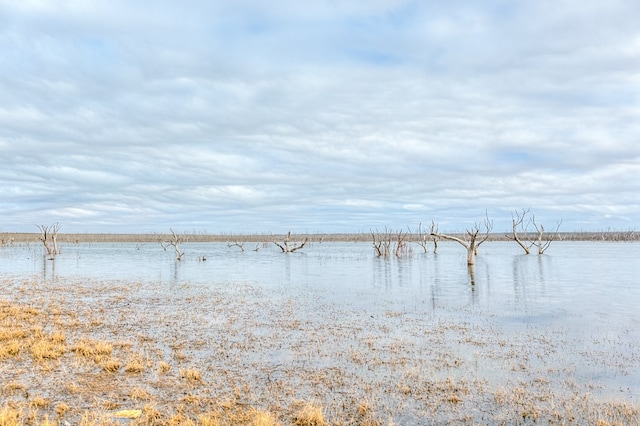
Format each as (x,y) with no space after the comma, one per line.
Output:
(402,249)
(382,243)
(174,241)
(421,239)
(49,238)
(520,223)
(288,247)
(236,244)
(543,241)
(471,240)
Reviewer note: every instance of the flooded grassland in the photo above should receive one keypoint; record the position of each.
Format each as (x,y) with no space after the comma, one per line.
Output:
(328,335)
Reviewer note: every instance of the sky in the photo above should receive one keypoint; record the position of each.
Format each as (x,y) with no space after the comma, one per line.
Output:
(249,116)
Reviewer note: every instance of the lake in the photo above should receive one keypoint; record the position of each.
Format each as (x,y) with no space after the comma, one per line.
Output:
(574,310)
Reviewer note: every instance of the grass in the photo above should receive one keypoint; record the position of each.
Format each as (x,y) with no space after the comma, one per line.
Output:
(234,356)
(310,415)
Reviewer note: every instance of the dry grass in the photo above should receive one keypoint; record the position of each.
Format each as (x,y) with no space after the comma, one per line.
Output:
(15,238)
(135,365)
(92,349)
(9,416)
(111,365)
(191,374)
(55,367)
(164,367)
(310,415)
(263,418)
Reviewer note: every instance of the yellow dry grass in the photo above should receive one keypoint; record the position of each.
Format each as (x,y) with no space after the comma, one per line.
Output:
(310,415)
(60,362)
(191,374)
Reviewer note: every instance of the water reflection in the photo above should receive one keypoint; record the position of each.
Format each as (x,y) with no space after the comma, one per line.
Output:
(472,275)
(48,268)
(529,277)
(502,277)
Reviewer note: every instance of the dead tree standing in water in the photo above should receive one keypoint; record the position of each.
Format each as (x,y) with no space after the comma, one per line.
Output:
(174,241)
(543,242)
(49,233)
(287,248)
(472,239)
(382,243)
(520,223)
(422,238)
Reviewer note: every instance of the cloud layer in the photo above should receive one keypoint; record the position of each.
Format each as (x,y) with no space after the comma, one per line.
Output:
(317,117)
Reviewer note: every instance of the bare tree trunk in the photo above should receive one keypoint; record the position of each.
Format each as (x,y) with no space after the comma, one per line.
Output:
(471,255)
(54,238)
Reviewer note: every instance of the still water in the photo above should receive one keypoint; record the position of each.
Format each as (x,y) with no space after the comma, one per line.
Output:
(586,294)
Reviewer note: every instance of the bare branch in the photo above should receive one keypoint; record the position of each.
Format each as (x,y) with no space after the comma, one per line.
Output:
(541,241)
(287,248)
(422,237)
(236,244)
(518,223)
(402,249)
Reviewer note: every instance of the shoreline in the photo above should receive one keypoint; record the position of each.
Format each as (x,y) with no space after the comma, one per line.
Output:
(9,238)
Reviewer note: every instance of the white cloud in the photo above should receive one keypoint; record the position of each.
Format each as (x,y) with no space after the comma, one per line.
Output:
(329,116)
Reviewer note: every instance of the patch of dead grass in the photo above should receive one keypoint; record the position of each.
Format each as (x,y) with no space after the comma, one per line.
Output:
(191,374)
(310,415)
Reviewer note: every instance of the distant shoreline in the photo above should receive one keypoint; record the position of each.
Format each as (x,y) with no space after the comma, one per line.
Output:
(8,238)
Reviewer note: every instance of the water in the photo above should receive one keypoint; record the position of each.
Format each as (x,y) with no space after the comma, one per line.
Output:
(584,296)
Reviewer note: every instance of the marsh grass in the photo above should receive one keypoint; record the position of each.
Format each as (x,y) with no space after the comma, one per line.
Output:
(310,414)
(239,356)
(191,374)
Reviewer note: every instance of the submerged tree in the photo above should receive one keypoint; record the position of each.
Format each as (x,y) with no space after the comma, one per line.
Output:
(236,244)
(422,240)
(542,240)
(471,240)
(383,242)
(521,222)
(288,246)
(49,238)
(517,224)
(175,240)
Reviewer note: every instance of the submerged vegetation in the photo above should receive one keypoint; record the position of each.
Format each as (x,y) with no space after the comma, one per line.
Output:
(104,352)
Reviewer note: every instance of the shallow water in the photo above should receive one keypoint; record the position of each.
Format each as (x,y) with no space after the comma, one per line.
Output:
(580,300)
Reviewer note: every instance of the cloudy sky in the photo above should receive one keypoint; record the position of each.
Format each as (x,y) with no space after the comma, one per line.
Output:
(318,116)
